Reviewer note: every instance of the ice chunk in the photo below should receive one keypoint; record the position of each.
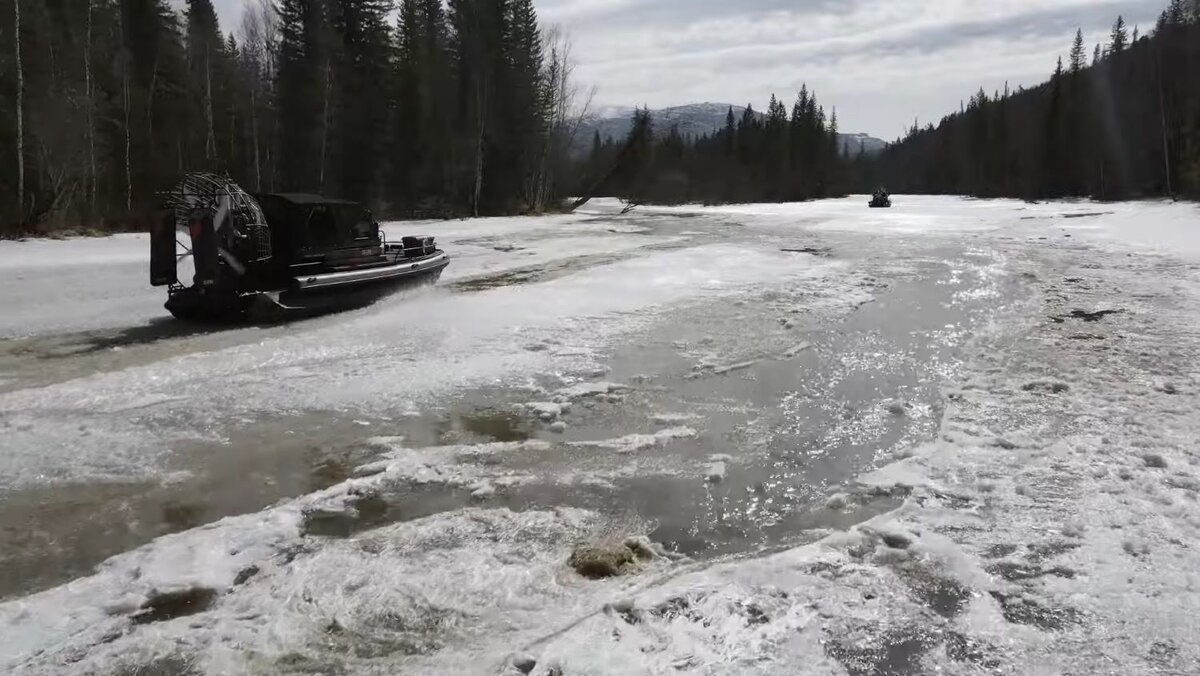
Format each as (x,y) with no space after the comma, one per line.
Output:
(837,502)
(673,418)
(715,472)
(1154,460)
(796,349)
(584,390)
(482,489)
(546,411)
(639,442)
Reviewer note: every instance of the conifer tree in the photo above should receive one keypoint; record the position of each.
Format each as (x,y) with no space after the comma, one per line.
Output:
(526,102)
(359,60)
(1119,38)
(1077,54)
(303,80)
(729,133)
(1176,13)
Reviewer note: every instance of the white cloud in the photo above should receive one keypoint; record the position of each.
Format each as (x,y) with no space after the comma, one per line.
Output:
(880,62)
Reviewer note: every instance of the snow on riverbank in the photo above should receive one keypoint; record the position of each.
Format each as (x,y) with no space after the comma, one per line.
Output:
(1152,225)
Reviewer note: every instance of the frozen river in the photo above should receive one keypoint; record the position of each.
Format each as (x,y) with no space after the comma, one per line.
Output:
(955,435)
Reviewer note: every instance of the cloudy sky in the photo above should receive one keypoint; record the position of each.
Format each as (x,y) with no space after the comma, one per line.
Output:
(882,63)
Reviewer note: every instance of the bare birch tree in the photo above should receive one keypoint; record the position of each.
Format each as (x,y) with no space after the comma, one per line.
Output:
(325,125)
(259,35)
(124,57)
(566,111)
(90,113)
(20,111)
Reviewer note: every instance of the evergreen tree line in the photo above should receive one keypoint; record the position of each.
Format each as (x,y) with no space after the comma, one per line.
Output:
(1123,123)
(771,157)
(438,109)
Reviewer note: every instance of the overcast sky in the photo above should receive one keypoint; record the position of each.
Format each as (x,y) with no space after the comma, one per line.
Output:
(882,63)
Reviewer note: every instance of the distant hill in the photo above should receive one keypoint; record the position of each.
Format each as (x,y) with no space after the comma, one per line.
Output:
(694,119)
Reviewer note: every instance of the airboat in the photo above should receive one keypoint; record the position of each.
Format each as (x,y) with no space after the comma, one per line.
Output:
(880,199)
(275,257)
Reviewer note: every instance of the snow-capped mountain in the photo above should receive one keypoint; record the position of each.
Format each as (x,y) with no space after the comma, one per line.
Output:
(694,119)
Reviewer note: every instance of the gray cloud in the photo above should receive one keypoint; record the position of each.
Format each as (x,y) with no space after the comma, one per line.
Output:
(881,62)
(667,12)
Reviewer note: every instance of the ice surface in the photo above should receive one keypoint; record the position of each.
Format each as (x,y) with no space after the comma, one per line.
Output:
(1043,529)
(405,349)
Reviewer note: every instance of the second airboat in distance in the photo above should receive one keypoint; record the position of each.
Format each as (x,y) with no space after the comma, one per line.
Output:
(275,257)
(880,199)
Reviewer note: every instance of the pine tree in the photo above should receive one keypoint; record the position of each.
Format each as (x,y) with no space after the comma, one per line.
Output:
(1176,13)
(1120,38)
(597,148)
(359,61)
(526,103)
(729,134)
(20,111)
(304,71)
(1097,55)
(477,50)
(635,165)
(407,158)
(1077,54)
(748,134)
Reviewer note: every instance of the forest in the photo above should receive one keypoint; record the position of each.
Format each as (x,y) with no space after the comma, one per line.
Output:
(446,108)
(437,109)
(771,157)
(1114,121)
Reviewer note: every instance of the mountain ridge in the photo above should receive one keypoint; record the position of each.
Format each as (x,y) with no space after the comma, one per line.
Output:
(694,119)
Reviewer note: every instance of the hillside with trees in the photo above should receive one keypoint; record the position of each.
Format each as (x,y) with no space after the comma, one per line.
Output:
(1114,121)
(773,157)
(447,109)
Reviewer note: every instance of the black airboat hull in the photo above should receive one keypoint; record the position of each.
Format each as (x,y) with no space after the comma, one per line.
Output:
(308,296)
